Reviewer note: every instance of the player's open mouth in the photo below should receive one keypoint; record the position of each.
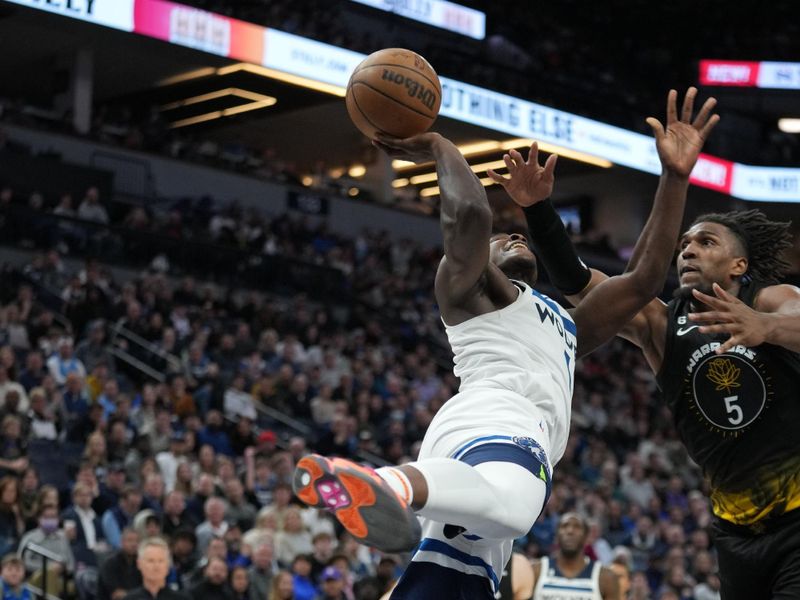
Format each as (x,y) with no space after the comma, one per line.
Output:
(689,269)
(518,245)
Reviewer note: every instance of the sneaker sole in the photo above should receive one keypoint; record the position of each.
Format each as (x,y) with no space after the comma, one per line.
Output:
(361,501)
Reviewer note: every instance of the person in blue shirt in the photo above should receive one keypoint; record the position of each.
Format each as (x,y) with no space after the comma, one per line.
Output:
(12,579)
(304,588)
(117,518)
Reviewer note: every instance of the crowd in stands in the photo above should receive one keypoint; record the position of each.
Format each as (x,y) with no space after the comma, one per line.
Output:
(96,455)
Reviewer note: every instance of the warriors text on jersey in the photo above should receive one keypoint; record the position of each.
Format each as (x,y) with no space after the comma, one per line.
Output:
(738,414)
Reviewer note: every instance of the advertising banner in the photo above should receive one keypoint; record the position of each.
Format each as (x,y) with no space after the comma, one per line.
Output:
(438,13)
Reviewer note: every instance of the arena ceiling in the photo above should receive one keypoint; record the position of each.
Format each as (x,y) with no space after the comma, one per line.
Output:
(306,127)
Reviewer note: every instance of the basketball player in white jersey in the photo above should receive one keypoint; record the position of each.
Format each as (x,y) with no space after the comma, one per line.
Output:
(569,574)
(485,467)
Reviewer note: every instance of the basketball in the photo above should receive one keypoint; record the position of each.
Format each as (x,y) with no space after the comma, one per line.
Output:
(395,92)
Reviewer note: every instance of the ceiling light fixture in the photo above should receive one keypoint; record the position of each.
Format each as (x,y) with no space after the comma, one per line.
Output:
(187,76)
(429,177)
(788,125)
(474,148)
(318,86)
(231,91)
(357,171)
(228,112)
(434,191)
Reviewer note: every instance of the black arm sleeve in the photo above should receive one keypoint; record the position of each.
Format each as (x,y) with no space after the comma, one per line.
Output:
(554,248)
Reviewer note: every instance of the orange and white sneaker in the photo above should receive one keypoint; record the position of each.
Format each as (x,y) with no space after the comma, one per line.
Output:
(360,499)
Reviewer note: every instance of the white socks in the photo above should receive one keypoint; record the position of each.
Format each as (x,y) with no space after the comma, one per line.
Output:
(398,481)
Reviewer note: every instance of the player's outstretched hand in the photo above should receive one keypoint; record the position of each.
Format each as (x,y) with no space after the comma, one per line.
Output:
(680,143)
(417,149)
(528,182)
(728,314)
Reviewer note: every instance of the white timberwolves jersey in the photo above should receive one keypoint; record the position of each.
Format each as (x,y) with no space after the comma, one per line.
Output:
(527,348)
(552,585)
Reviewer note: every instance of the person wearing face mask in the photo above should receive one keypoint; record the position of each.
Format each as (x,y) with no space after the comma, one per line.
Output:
(48,535)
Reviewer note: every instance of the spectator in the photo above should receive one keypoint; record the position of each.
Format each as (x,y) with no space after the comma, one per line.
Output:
(282,587)
(90,208)
(322,551)
(175,515)
(169,460)
(215,524)
(9,386)
(29,490)
(12,446)
(74,399)
(93,350)
(240,583)
(118,573)
(293,538)
(242,436)
(233,540)
(62,363)
(239,403)
(50,537)
(239,509)
(263,569)
(301,578)
(214,435)
(12,579)
(34,373)
(12,523)
(82,526)
(184,556)
(109,491)
(96,451)
(215,582)
(119,517)
(204,489)
(41,420)
(153,493)
(332,585)
(153,563)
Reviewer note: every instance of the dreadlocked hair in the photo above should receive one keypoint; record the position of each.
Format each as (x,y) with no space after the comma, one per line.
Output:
(764,241)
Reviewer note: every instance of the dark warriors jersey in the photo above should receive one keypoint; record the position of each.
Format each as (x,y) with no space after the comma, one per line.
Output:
(738,414)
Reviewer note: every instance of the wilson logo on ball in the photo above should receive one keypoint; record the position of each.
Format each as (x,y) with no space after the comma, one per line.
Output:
(414,88)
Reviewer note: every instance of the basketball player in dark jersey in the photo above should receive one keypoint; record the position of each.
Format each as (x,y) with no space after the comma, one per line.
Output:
(725,355)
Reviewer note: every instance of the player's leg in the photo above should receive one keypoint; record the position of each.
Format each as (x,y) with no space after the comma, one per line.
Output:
(492,499)
(740,579)
(783,551)
(493,491)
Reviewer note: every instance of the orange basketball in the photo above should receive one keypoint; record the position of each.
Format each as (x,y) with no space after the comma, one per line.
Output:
(393,91)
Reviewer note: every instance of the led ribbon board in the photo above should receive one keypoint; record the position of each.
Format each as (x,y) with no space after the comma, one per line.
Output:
(327,68)
(438,13)
(740,73)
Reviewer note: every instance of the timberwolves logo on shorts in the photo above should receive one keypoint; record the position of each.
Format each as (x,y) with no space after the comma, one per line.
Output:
(729,391)
(532,446)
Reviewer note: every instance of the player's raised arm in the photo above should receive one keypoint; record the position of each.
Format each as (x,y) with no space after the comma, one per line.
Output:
(466,218)
(615,301)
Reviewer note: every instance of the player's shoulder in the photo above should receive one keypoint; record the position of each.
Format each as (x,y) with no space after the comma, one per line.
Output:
(772,297)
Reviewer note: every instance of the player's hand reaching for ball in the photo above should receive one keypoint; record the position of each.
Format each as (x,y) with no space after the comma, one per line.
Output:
(528,181)
(418,149)
(680,143)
